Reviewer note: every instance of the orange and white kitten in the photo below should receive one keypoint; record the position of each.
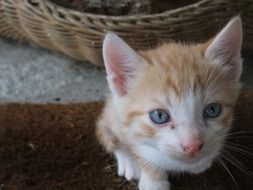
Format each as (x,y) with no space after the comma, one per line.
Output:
(170,107)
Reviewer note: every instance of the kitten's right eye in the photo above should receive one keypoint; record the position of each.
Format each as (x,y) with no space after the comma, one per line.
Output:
(159,116)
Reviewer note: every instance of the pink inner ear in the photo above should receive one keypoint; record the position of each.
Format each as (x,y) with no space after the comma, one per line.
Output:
(118,78)
(121,63)
(226,47)
(117,69)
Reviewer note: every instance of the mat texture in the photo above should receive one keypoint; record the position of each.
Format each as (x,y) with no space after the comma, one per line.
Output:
(52,147)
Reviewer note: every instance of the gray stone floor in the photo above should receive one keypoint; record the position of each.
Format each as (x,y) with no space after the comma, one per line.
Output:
(32,74)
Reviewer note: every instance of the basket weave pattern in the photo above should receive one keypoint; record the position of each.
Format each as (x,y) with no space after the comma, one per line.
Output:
(79,35)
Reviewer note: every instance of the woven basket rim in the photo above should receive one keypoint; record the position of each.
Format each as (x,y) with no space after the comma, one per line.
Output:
(80,34)
(60,8)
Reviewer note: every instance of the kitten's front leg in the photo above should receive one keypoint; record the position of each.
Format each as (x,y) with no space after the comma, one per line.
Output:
(152,179)
(127,166)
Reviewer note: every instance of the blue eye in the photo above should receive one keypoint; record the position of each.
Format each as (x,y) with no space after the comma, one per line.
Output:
(159,116)
(212,110)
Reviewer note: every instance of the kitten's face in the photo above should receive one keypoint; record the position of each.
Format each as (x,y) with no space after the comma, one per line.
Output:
(179,101)
(175,103)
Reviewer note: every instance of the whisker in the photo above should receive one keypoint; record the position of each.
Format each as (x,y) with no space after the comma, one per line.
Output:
(238,137)
(238,149)
(122,184)
(239,132)
(237,145)
(228,171)
(230,158)
(111,166)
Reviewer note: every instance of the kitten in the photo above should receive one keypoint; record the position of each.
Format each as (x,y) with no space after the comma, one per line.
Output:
(171,107)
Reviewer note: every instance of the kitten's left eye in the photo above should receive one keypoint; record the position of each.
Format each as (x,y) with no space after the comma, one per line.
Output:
(159,116)
(212,110)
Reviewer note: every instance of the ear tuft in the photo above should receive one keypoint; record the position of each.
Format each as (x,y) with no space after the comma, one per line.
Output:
(122,64)
(225,49)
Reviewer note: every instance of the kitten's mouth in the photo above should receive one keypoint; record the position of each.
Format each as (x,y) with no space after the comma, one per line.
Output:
(196,164)
(186,158)
(190,159)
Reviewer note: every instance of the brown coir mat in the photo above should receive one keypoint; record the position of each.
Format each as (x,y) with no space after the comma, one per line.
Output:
(52,147)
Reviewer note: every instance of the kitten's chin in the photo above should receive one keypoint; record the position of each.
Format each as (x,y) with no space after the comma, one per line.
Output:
(162,161)
(198,166)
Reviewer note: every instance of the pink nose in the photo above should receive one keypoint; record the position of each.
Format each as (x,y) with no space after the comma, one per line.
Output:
(192,148)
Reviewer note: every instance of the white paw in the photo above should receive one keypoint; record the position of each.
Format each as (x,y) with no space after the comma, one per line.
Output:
(158,185)
(146,183)
(127,166)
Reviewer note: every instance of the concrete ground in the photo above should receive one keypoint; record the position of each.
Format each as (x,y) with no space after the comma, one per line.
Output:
(32,74)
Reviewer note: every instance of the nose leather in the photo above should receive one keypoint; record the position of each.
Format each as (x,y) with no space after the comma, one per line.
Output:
(192,148)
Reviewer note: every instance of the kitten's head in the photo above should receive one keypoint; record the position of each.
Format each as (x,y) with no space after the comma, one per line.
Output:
(174,104)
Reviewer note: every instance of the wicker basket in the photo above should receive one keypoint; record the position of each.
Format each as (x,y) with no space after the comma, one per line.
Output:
(248,24)
(79,35)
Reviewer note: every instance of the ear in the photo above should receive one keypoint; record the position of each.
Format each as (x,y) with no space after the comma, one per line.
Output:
(225,49)
(122,64)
